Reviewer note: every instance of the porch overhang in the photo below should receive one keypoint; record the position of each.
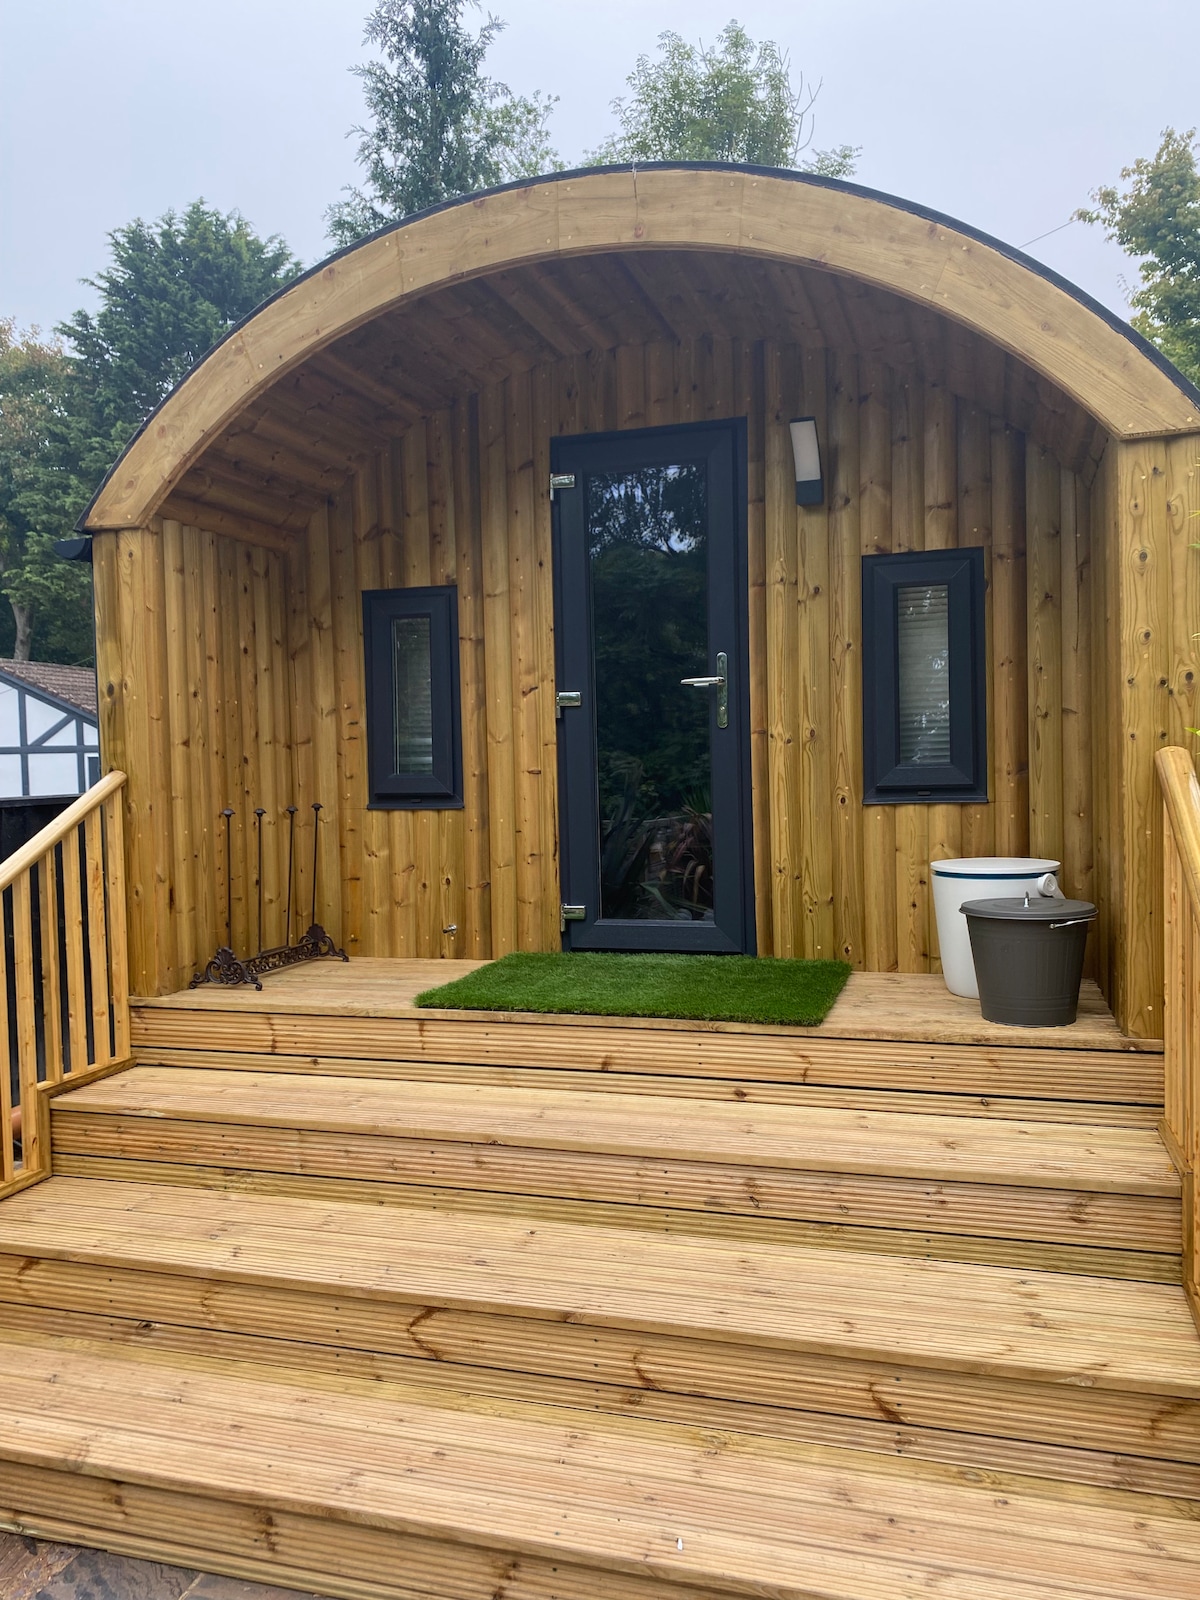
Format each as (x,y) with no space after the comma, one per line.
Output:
(927,261)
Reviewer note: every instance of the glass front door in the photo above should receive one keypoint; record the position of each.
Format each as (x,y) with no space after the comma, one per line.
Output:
(650,577)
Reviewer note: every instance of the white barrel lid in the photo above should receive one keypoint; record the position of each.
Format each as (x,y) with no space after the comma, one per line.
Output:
(995,867)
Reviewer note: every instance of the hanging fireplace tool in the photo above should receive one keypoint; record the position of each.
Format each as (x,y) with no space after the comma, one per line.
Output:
(312,945)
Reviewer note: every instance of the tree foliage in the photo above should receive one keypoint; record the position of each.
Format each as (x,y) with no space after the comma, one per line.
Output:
(173,289)
(439,126)
(68,406)
(1156,218)
(732,101)
(36,482)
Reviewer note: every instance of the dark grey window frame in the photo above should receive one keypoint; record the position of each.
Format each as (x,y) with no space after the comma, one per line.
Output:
(441,789)
(887,780)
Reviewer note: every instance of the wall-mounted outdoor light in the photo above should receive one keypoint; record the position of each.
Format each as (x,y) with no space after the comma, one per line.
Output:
(806,451)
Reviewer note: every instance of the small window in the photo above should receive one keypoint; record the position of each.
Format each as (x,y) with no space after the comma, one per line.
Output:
(414,742)
(924,677)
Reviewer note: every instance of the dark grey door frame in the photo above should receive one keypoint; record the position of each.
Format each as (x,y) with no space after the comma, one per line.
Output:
(722,447)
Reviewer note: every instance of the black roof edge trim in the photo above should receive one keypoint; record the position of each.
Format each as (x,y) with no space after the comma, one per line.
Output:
(1038,268)
(79,549)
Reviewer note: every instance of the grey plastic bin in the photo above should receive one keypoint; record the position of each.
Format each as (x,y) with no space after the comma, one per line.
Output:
(1029,958)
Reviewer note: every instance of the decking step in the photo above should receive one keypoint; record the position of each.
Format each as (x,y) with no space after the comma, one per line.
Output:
(375,1491)
(925,1098)
(297,1025)
(1040,1356)
(1046,1326)
(814,1139)
(1112,1191)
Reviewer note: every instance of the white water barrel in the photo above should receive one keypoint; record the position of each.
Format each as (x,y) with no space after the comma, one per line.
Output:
(976,878)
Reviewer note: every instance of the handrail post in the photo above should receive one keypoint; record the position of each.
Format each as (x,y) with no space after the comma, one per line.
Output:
(1181,970)
(118,951)
(7,1121)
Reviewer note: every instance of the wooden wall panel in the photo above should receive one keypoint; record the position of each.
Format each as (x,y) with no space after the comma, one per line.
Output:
(845,627)
(183,755)
(498,694)
(880,926)
(475,927)
(974,516)
(815,661)
(750,403)
(782,663)
(1106,758)
(197,708)
(1044,568)
(941,533)
(1078,728)
(1010,728)
(247,686)
(1182,493)
(1143,639)
(1152,502)
(913,899)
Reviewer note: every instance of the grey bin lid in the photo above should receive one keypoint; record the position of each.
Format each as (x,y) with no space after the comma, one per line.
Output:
(1041,908)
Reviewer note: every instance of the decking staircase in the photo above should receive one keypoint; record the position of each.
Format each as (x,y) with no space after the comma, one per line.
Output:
(437,1321)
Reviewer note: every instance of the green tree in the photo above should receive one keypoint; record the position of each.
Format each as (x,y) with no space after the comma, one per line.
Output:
(439,126)
(171,290)
(1156,218)
(733,101)
(37,491)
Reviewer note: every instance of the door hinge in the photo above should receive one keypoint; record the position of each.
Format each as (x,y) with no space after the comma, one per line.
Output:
(565,699)
(570,914)
(561,480)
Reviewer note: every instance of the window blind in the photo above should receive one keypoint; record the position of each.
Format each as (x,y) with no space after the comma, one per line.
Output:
(412,695)
(923,645)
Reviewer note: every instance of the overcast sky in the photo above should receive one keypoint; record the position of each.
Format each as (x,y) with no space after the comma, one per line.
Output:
(1002,114)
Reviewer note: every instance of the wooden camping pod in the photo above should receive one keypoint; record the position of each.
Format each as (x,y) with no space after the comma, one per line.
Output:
(386,423)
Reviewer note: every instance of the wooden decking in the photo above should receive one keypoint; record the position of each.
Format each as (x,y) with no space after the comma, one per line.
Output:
(452,1492)
(1048,1328)
(394,1304)
(873,1005)
(1064,1191)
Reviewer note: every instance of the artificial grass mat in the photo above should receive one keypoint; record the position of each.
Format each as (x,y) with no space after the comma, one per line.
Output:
(691,988)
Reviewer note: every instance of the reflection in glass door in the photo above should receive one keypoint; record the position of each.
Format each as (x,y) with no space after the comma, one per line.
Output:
(649,569)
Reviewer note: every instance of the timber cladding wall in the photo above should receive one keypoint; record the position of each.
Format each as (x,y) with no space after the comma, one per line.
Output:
(232,674)
(195,700)
(1147,518)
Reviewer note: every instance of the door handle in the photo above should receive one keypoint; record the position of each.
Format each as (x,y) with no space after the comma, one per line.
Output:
(720,682)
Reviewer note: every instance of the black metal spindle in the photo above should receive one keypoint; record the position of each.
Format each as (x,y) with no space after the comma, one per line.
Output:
(317,809)
(224,967)
(291,811)
(259,814)
(228,815)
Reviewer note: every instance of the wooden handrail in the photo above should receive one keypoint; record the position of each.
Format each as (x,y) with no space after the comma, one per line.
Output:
(1181,965)
(64,1005)
(55,832)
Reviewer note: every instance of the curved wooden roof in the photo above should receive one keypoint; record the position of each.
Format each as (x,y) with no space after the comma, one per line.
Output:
(943,266)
